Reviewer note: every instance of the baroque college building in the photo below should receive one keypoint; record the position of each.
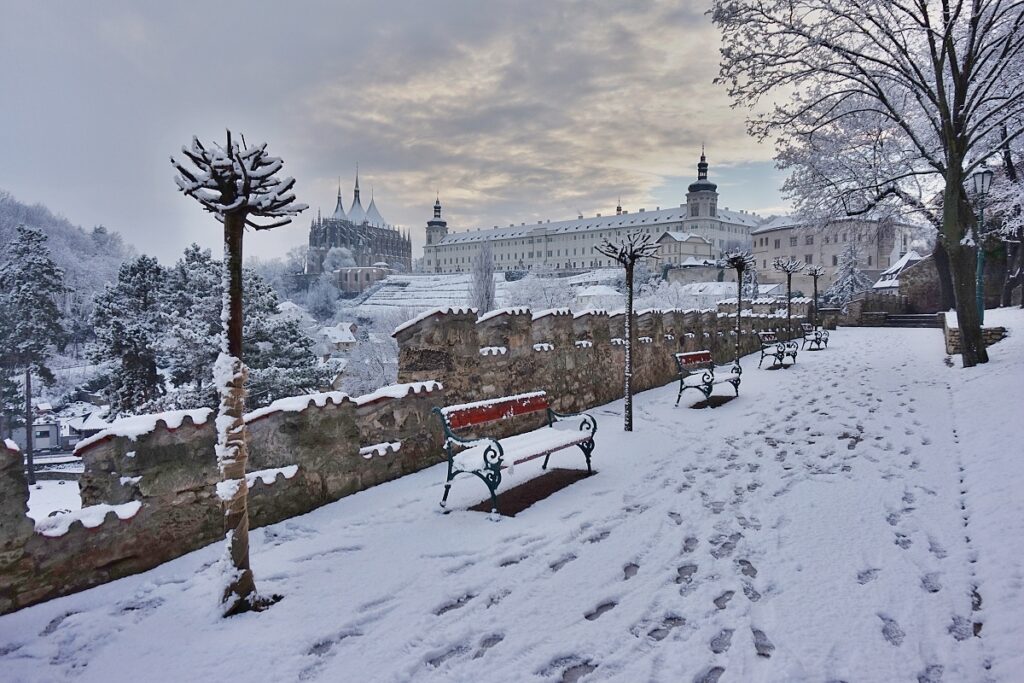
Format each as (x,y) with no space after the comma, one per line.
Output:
(698,229)
(363,232)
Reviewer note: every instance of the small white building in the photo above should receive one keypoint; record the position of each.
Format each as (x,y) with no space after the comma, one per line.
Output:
(889,281)
(599,297)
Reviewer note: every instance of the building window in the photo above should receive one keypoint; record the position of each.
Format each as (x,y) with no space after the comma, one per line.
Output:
(694,210)
(809,240)
(42,433)
(835,260)
(778,244)
(869,260)
(808,258)
(764,263)
(792,241)
(844,236)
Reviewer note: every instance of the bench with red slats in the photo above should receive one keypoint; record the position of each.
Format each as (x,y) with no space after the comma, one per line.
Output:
(486,457)
(778,350)
(697,371)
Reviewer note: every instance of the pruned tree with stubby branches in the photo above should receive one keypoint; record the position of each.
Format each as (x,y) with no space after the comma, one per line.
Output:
(239,185)
(814,272)
(883,102)
(743,263)
(632,247)
(789,266)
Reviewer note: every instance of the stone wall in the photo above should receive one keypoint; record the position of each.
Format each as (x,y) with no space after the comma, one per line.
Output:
(577,358)
(990,335)
(148,493)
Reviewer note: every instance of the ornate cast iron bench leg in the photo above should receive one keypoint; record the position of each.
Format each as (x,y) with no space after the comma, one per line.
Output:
(587,447)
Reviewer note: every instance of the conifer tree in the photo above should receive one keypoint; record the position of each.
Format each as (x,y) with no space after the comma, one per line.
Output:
(849,281)
(128,319)
(31,287)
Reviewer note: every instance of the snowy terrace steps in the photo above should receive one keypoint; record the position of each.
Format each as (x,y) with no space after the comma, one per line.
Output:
(916,320)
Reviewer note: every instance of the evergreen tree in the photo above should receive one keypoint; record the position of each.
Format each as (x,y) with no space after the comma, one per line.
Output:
(31,287)
(482,293)
(849,281)
(192,301)
(322,298)
(128,319)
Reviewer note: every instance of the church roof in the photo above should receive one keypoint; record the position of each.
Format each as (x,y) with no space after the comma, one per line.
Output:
(356,214)
(373,216)
(339,210)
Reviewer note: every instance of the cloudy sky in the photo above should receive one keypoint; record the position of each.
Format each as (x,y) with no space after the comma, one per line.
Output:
(514,110)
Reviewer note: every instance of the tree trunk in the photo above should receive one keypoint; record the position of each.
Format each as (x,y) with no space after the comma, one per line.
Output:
(628,391)
(240,592)
(947,299)
(29,465)
(956,213)
(789,306)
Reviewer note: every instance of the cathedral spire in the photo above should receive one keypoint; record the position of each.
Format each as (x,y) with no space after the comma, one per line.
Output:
(356,213)
(702,167)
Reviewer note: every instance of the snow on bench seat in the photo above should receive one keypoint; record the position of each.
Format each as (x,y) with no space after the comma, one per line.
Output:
(523,447)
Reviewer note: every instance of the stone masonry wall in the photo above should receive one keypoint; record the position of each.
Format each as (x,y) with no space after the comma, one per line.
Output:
(577,359)
(150,497)
(990,335)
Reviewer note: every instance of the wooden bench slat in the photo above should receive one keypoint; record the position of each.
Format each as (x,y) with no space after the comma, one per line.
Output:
(496,410)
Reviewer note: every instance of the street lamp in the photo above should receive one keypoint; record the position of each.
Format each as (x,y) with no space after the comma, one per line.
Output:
(982,180)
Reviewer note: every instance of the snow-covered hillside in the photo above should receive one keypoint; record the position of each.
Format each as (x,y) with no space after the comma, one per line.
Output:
(835,522)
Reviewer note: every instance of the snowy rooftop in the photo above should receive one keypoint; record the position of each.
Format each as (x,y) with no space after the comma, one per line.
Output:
(626,220)
(598,290)
(773,538)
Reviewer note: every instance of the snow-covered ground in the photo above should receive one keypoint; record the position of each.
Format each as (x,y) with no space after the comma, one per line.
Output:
(835,522)
(51,495)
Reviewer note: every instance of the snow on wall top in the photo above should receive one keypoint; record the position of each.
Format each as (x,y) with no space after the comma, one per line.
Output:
(517,310)
(90,517)
(590,311)
(460,310)
(551,311)
(296,404)
(138,425)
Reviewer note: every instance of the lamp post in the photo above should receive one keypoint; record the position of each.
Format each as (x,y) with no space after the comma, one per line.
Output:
(982,180)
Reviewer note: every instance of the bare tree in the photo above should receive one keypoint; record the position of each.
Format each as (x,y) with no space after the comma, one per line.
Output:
(920,93)
(815,272)
(789,266)
(238,184)
(632,247)
(743,263)
(482,294)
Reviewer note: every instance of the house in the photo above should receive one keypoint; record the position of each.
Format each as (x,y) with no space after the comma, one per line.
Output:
(337,339)
(45,436)
(889,281)
(597,297)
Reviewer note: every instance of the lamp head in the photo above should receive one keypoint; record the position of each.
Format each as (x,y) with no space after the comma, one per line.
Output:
(982,180)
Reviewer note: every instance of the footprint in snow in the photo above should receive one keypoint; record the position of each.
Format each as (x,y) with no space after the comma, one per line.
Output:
(676,517)
(558,564)
(891,630)
(722,600)
(930,582)
(867,576)
(455,604)
(931,674)
(690,544)
(685,573)
(750,592)
(762,645)
(747,569)
(710,675)
(722,641)
(629,571)
(596,613)
(487,643)
(661,632)
(903,541)
(440,659)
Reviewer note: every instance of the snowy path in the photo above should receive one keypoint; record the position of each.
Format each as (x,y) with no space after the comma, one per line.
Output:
(813,529)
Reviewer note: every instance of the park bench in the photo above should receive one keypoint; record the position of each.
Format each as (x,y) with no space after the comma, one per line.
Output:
(697,371)
(817,336)
(485,457)
(772,347)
